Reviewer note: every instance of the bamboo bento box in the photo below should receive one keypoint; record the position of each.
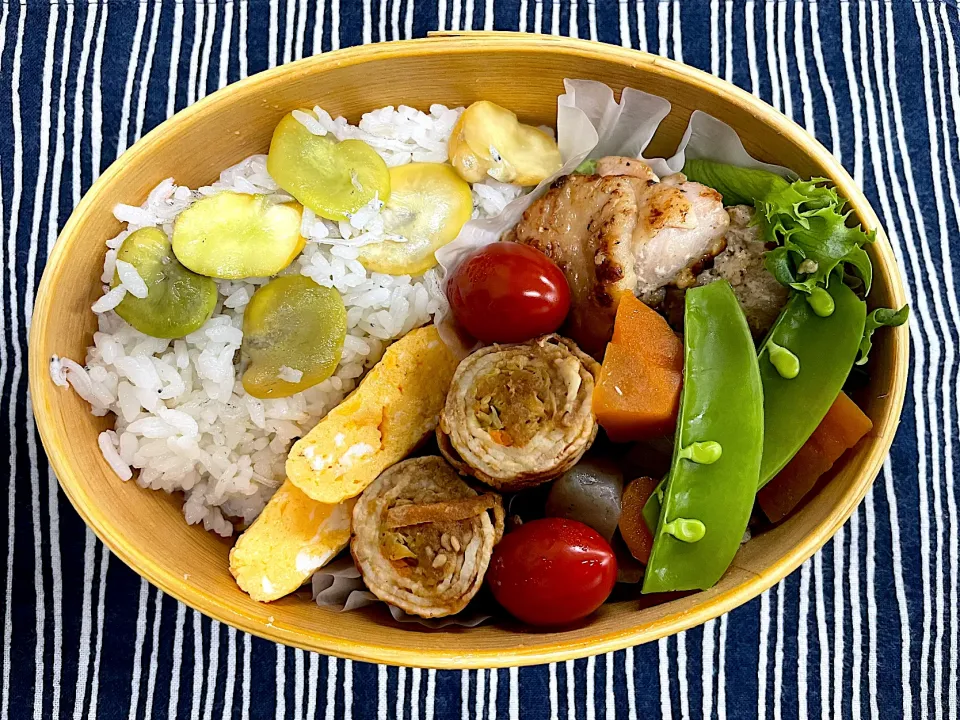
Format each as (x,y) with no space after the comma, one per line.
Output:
(521,72)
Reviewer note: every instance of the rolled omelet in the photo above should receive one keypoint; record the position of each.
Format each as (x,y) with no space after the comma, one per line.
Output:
(519,415)
(395,407)
(292,538)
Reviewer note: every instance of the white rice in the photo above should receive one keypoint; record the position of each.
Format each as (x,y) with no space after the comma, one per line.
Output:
(130,279)
(289,374)
(110,299)
(58,372)
(183,419)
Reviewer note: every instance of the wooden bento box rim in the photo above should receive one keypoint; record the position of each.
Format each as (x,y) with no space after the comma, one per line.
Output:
(451,656)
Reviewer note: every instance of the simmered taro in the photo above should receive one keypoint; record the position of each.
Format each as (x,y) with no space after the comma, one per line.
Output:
(590,492)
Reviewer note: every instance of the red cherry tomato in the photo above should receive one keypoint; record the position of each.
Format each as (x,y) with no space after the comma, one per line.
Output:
(508,292)
(552,571)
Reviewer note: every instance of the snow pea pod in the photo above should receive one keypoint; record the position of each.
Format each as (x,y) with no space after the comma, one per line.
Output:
(795,399)
(716,457)
(651,511)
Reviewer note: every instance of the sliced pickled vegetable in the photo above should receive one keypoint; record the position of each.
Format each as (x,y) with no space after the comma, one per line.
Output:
(589,492)
(234,236)
(178,301)
(489,140)
(293,331)
(428,205)
(334,179)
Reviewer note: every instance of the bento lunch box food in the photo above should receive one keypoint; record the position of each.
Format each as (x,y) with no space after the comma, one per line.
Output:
(425,350)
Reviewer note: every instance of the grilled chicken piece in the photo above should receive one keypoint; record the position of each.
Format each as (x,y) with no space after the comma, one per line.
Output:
(626,167)
(742,265)
(682,224)
(620,231)
(585,224)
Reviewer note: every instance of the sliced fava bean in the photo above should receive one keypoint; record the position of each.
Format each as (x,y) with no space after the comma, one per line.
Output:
(233,236)
(489,140)
(178,301)
(293,331)
(334,179)
(706,507)
(428,205)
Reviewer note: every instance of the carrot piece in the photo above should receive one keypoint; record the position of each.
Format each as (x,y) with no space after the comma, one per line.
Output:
(647,334)
(634,400)
(633,528)
(638,393)
(841,429)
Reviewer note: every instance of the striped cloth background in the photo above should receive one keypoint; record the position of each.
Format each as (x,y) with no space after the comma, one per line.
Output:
(867,628)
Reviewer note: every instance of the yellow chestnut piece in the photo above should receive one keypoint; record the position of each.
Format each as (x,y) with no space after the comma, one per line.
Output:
(489,140)
(233,236)
(293,331)
(428,205)
(334,179)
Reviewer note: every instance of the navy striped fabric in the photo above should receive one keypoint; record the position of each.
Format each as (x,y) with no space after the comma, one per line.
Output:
(866,628)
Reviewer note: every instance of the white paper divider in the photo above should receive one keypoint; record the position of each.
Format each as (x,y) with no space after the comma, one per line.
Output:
(707,138)
(340,586)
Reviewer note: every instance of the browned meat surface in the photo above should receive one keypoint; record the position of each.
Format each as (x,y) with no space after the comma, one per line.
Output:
(585,224)
(742,265)
(627,167)
(681,224)
(622,230)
